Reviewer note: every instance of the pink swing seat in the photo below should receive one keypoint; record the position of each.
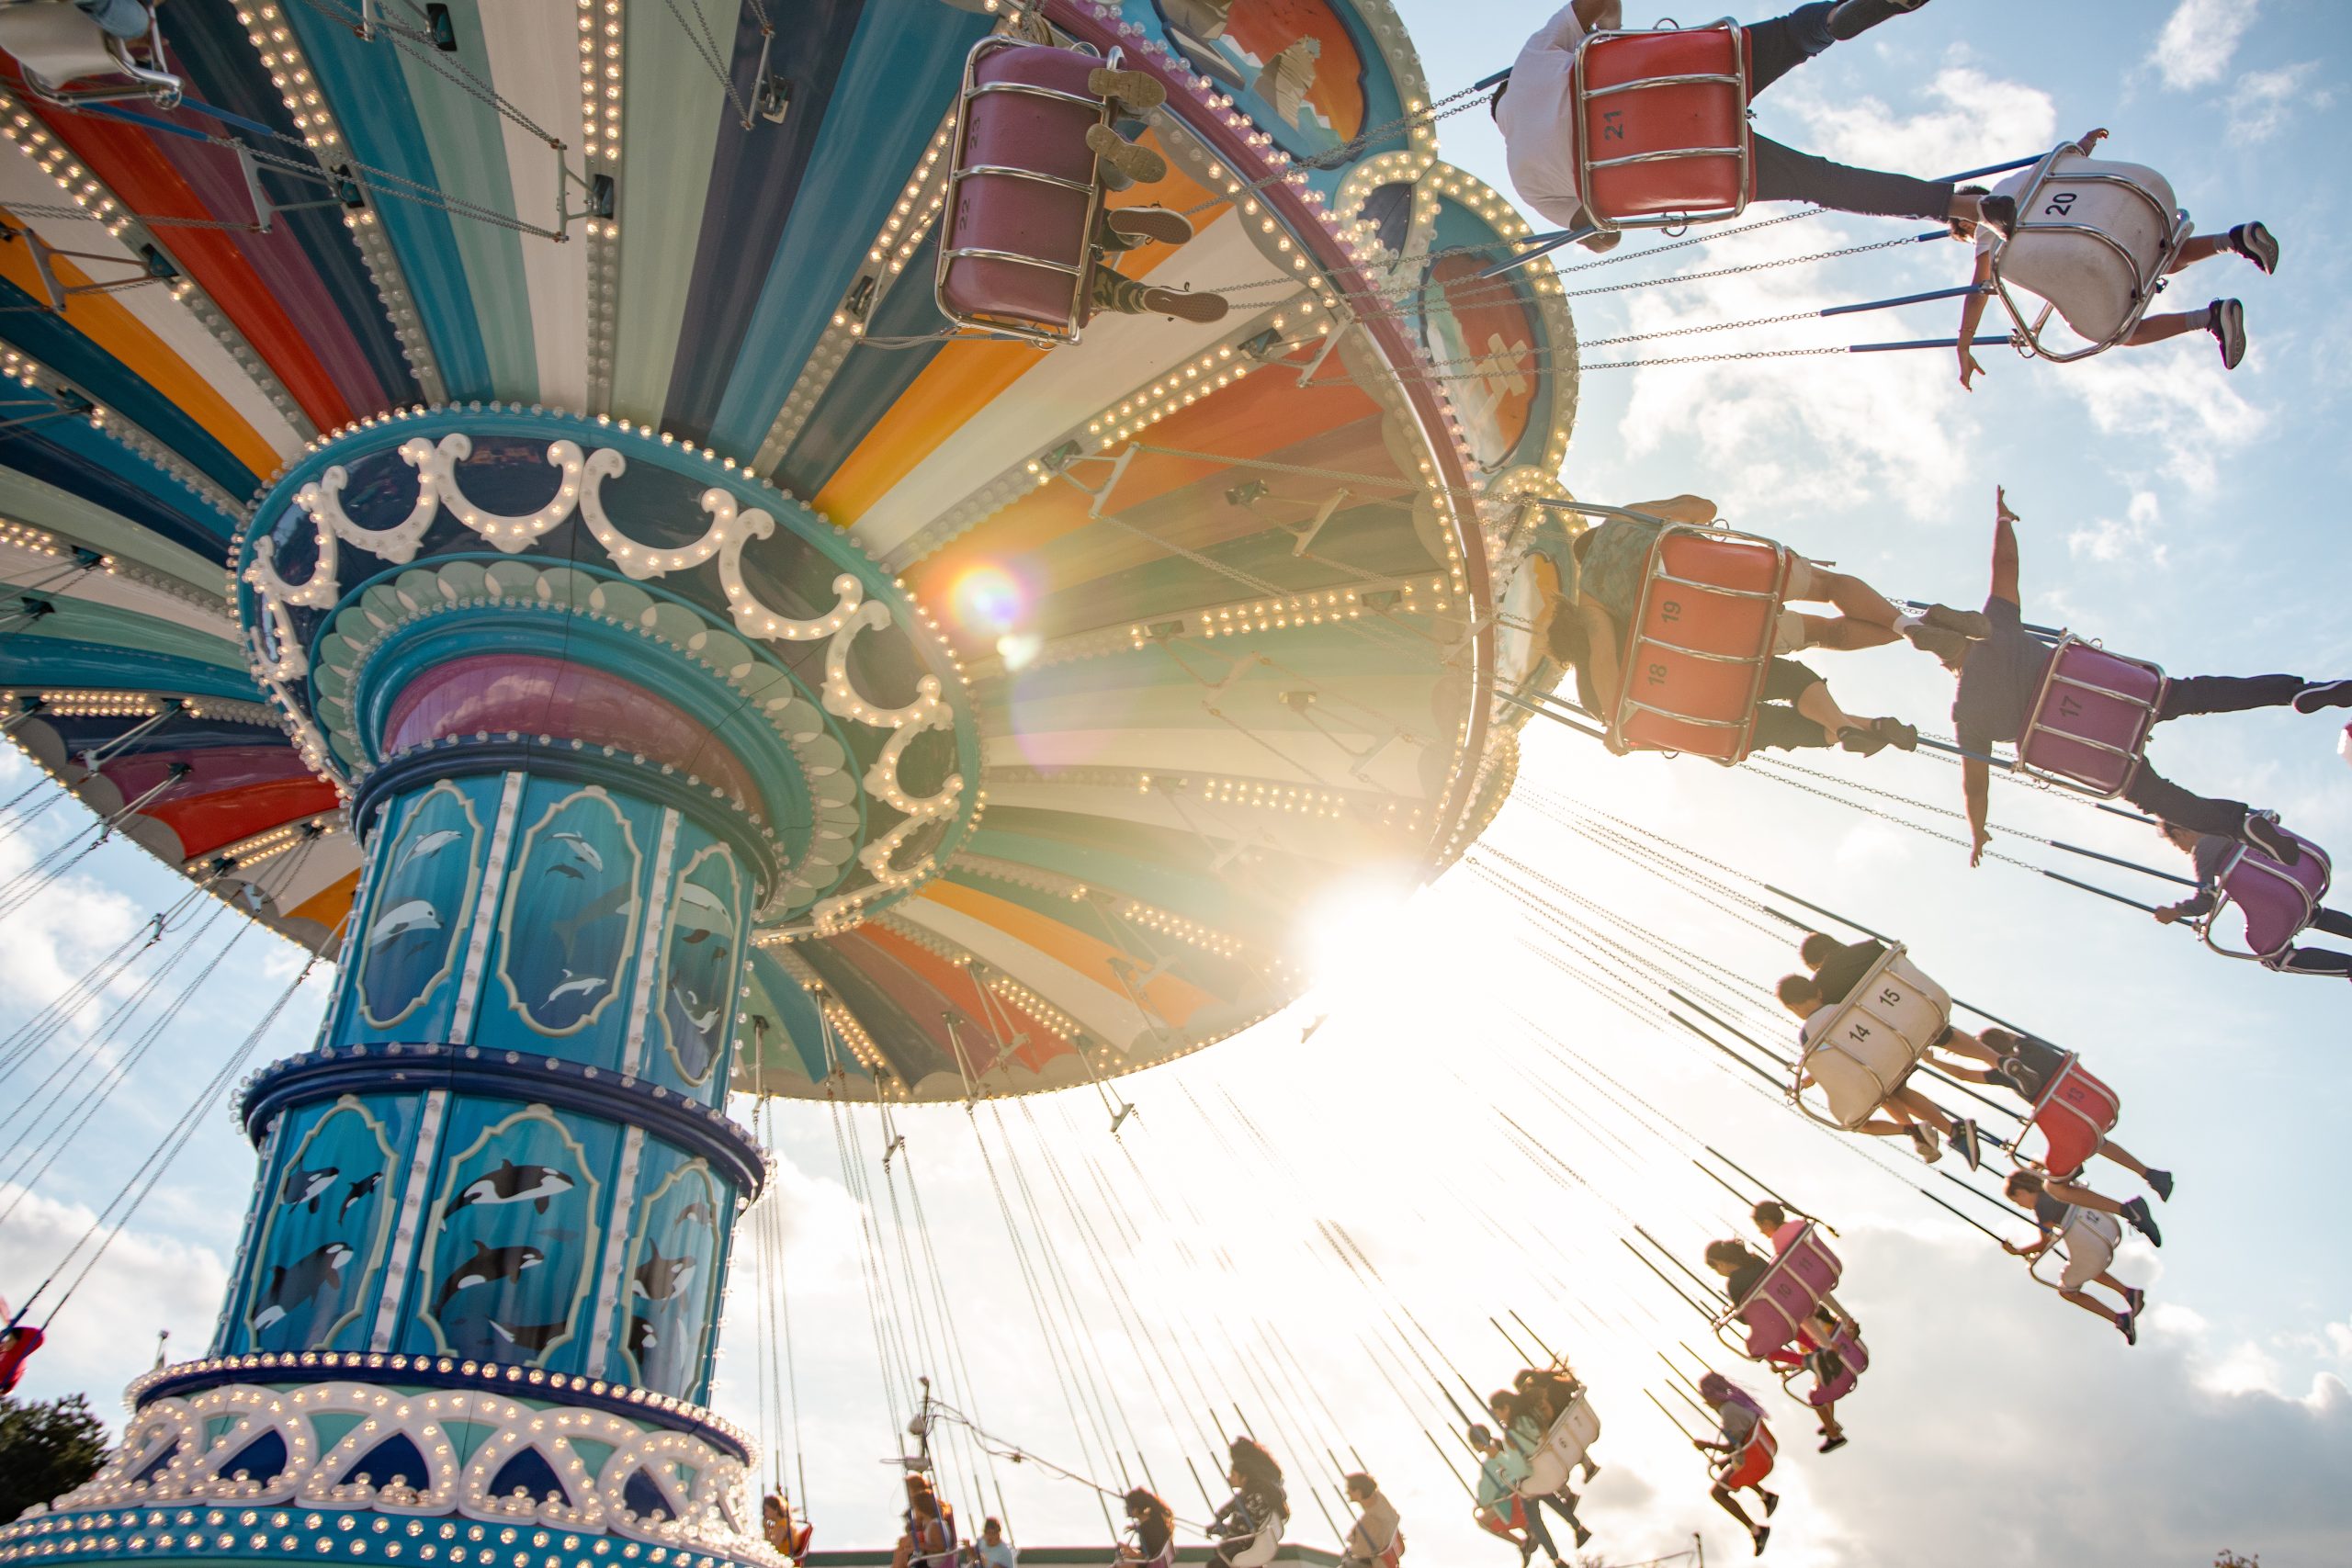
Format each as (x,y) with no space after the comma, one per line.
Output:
(1789,1293)
(2091,720)
(2277,902)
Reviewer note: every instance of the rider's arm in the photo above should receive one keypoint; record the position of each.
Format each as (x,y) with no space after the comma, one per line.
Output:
(1695,510)
(1971,312)
(1976,789)
(1602,661)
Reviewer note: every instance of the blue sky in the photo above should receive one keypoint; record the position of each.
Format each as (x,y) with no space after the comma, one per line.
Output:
(2181,513)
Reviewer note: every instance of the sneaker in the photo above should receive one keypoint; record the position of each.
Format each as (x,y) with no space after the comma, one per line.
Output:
(2257,244)
(1583,1535)
(2134,1298)
(1136,91)
(2225,319)
(1965,1138)
(1947,647)
(1186,305)
(2262,831)
(1999,212)
(2136,1212)
(2129,1324)
(1901,736)
(1970,623)
(1771,1501)
(1831,1445)
(1923,1138)
(2160,1183)
(1138,164)
(1862,742)
(1761,1534)
(2323,694)
(1154,223)
(1591,1470)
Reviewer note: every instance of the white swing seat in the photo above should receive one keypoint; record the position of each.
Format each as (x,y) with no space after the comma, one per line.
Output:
(1261,1550)
(2093,240)
(1859,1051)
(56,45)
(1572,1433)
(2087,1241)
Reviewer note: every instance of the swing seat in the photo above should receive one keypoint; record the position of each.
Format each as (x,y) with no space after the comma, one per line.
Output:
(16,1347)
(1661,118)
(2075,1114)
(58,45)
(2090,719)
(1262,1547)
(1022,195)
(1700,643)
(1789,1293)
(2276,902)
(1855,1360)
(1859,1051)
(2087,1240)
(1752,1463)
(1572,1432)
(2093,243)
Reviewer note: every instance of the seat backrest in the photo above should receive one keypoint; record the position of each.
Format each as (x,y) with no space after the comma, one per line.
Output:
(1574,1430)
(2276,902)
(1672,116)
(1707,619)
(2094,706)
(1042,212)
(59,44)
(2094,279)
(1860,1050)
(2075,1114)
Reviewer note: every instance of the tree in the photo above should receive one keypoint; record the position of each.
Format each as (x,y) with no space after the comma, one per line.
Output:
(47,1449)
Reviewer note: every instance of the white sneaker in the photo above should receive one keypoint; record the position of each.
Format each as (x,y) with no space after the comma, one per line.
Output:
(1923,1138)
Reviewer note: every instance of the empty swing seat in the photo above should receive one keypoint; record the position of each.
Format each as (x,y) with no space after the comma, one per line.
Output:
(1860,1050)
(1572,1433)
(1023,198)
(2276,902)
(2093,240)
(2090,719)
(1788,1293)
(1752,1463)
(2075,1114)
(1661,121)
(66,58)
(1701,643)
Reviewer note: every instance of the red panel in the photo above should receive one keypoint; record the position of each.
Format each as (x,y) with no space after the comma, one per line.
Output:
(1697,655)
(1667,116)
(127,160)
(207,822)
(954,985)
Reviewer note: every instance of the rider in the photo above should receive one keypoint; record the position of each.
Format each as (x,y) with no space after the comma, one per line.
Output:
(1612,562)
(1740,1417)
(1124,163)
(2052,1204)
(930,1541)
(2225,319)
(1825,1339)
(1546,1394)
(1911,1114)
(1377,1539)
(2211,851)
(1498,1506)
(1524,1431)
(2026,1064)
(1536,111)
(1155,1527)
(2001,677)
(1838,966)
(788,1536)
(1257,1501)
(1773,1223)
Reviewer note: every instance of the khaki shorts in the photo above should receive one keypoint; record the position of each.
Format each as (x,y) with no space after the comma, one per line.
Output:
(1788,635)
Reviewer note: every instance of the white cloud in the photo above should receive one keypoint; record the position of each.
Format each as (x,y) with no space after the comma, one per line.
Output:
(2194,48)
(2265,100)
(2177,398)
(2131,537)
(1977,116)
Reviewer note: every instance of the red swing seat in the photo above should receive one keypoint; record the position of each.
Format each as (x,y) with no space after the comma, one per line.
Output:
(1023,197)
(2090,719)
(1753,1462)
(2277,902)
(1661,118)
(2075,1114)
(1788,1293)
(17,1347)
(1700,644)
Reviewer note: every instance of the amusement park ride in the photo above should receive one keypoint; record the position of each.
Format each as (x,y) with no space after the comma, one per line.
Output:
(653,567)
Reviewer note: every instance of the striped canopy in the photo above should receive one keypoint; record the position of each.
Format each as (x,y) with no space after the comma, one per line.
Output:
(1241,603)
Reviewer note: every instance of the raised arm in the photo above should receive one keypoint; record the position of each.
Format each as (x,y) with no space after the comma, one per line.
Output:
(1971,312)
(1695,510)
(1976,789)
(2005,548)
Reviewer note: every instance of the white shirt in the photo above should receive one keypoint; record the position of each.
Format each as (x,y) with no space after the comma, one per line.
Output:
(1537,117)
(1000,1555)
(2013,188)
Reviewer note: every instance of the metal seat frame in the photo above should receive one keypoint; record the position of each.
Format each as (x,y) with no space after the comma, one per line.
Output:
(159,87)
(1759,663)
(2144,286)
(2238,858)
(1587,164)
(1919,1049)
(2033,725)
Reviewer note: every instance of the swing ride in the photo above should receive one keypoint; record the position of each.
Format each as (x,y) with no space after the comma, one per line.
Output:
(660,574)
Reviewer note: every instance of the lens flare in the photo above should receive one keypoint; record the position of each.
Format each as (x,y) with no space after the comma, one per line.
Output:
(989,601)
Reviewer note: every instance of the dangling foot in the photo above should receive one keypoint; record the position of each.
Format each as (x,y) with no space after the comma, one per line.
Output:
(1966,1139)
(2262,831)
(1771,1501)
(2225,319)
(2128,1321)
(1151,223)
(2134,1298)
(1140,164)
(1946,648)
(1970,623)
(2323,694)
(2160,1183)
(1760,1535)
(2136,1214)
(1856,17)
(1583,1535)
(1135,91)
(1923,1138)
(1901,736)
(2257,244)
(1832,1444)
(1591,1470)
(1186,305)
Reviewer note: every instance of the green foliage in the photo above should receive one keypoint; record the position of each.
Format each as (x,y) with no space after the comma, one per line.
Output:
(47,1449)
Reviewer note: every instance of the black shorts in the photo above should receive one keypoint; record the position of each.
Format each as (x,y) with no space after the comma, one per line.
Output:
(1785,681)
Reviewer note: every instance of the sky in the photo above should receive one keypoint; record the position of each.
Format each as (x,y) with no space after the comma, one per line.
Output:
(2180,512)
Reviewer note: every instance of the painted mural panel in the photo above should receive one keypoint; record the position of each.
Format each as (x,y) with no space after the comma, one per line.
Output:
(424,886)
(672,1270)
(701,961)
(325,1221)
(1302,69)
(572,914)
(511,1239)
(1486,338)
